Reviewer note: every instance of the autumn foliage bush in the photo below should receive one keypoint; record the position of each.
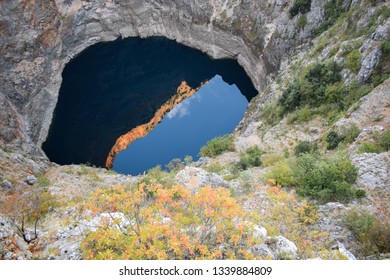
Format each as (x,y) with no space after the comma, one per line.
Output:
(168,223)
(25,208)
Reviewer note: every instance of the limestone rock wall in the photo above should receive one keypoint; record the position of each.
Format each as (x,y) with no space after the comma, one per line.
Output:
(39,37)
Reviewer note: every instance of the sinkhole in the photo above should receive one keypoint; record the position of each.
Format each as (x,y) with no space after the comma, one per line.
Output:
(135,103)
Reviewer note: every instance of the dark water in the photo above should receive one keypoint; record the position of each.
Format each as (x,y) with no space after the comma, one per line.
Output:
(113,87)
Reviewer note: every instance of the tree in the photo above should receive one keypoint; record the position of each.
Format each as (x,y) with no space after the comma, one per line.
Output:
(26,208)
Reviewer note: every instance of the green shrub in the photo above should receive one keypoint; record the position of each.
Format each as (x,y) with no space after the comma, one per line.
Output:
(271,159)
(305,147)
(333,139)
(250,158)
(351,46)
(323,74)
(358,223)
(188,160)
(282,172)
(369,147)
(374,2)
(300,6)
(42,180)
(355,92)
(245,182)
(385,46)
(156,173)
(311,87)
(175,165)
(380,143)
(350,133)
(360,193)
(334,92)
(291,97)
(325,179)
(217,146)
(373,236)
(304,114)
(353,60)
(384,140)
(302,21)
(214,168)
(272,113)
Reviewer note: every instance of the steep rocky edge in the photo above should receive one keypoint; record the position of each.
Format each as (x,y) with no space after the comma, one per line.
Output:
(39,37)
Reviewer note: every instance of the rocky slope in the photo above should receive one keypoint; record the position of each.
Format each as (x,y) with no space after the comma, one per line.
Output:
(39,37)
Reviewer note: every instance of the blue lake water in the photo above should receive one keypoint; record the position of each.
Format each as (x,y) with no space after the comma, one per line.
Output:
(212,111)
(112,87)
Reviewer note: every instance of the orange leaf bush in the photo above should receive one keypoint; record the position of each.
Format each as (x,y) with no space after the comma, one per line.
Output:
(168,223)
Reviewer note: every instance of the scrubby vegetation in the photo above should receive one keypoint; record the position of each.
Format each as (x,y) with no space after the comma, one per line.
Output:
(380,143)
(353,60)
(302,21)
(321,178)
(305,147)
(175,165)
(271,159)
(217,146)
(250,158)
(43,180)
(333,10)
(346,136)
(300,6)
(373,235)
(282,172)
(168,223)
(288,216)
(26,208)
(318,88)
(333,139)
(325,179)
(315,86)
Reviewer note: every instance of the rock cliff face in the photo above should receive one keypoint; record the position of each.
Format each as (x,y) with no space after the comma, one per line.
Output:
(39,37)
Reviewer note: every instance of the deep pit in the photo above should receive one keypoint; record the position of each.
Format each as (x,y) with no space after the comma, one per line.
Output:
(114,87)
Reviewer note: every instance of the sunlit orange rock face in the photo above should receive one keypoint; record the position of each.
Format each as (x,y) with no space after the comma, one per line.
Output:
(183,91)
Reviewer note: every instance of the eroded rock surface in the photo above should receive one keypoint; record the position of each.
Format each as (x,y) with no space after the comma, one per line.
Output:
(39,38)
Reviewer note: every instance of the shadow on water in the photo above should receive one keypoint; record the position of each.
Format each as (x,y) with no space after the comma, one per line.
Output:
(113,87)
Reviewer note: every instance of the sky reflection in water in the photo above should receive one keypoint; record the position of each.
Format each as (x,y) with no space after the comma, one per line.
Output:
(214,110)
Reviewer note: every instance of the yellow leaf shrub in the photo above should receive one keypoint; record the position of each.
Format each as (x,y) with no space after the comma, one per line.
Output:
(168,223)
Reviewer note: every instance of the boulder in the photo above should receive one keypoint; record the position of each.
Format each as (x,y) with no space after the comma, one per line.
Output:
(263,251)
(345,252)
(31,180)
(276,248)
(20,243)
(282,248)
(369,62)
(6,184)
(195,178)
(259,232)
